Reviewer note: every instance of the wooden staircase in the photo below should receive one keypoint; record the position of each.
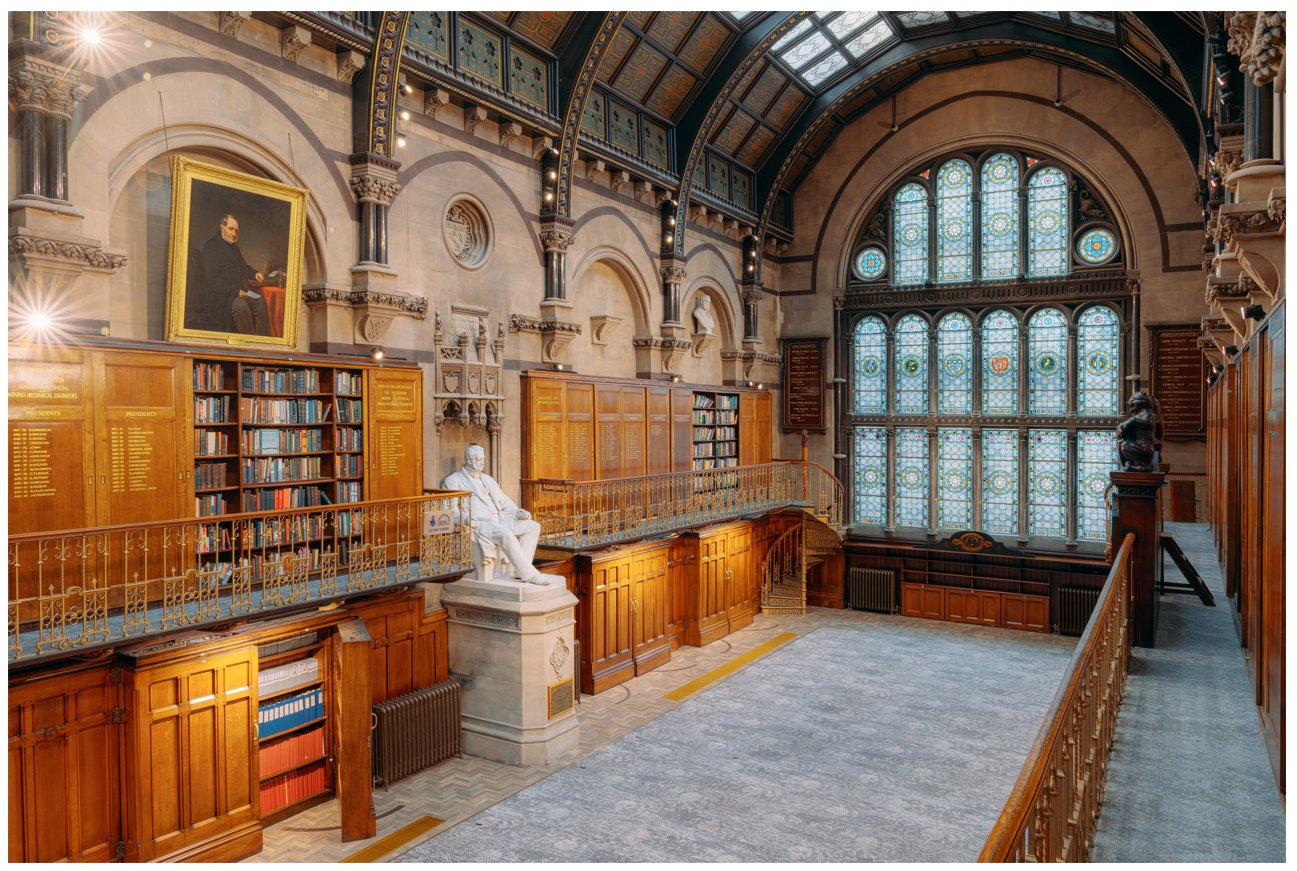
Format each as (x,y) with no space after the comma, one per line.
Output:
(809,541)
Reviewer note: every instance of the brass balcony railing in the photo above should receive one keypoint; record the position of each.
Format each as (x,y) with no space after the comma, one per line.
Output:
(1054,807)
(582,514)
(77,589)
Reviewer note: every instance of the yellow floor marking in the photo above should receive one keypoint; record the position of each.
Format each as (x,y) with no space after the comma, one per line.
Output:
(683,692)
(391,843)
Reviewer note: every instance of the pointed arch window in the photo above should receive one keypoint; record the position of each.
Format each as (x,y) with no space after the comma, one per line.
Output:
(1047,356)
(1000,234)
(911,365)
(954,364)
(1000,363)
(910,234)
(1097,333)
(1047,223)
(954,221)
(869,353)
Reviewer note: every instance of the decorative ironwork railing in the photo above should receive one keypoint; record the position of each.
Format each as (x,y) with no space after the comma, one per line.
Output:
(581,514)
(76,589)
(1052,812)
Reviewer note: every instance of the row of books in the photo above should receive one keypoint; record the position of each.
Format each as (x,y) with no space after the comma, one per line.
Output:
(274,470)
(347,465)
(349,491)
(209,475)
(705,417)
(347,382)
(209,505)
(282,441)
(291,751)
(211,442)
(288,712)
(213,537)
(211,409)
(263,565)
(286,410)
(350,439)
(715,463)
(712,433)
(284,497)
(281,677)
(289,789)
(348,410)
(281,380)
(209,376)
(285,530)
(719,400)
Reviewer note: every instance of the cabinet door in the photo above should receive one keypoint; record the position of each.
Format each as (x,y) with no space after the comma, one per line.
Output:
(682,433)
(658,430)
(649,609)
(747,428)
(196,752)
(681,564)
(64,769)
(762,433)
(708,619)
(391,626)
(1270,640)
(393,425)
(608,610)
(740,594)
(431,659)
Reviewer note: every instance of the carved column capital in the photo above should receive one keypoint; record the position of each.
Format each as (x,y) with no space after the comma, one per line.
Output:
(374,182)
(1268,38)
(291,42)
(349,63)
(37,85)
(752,294)
(672,272)
(509,132)
(556,233)
(232,21)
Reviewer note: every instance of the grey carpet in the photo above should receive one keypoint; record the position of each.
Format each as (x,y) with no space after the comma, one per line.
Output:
(889,739)
(1189,778)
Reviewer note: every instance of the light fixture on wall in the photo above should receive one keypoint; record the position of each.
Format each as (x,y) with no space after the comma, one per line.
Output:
(405,115)
(1255,312)
(548,180)
(400,139)
(376,354)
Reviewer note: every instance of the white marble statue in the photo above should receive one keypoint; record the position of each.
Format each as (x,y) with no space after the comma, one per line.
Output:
(704,320)
(504,535)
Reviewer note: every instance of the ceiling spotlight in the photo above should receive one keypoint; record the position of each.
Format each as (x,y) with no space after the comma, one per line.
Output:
(90,36)
(376,354)
(400,139)
(405,114)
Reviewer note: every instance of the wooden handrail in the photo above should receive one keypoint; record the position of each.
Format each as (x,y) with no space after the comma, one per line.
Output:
(1051,813)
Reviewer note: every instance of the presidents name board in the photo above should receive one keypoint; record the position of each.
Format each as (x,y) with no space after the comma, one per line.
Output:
(1179,379)
(803,385)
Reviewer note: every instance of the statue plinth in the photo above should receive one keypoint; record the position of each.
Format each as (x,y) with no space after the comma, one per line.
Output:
(1137,508)
(515,643)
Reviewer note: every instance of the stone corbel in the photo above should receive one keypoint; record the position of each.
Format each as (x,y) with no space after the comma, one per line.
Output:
(1277,205)
(232,21)
(1266,52)
(619,181)
(46,269)
(602,327)
(644,192)
(1213,354)
(593,167)
(555,336)
(742,366)
(702,343)
(510,132)
(673,351)
(434,101)
(349,63)
(474,117)
(540,144)
(292,40)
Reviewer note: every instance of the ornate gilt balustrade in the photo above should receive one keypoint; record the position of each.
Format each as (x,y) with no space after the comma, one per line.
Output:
(1052,812)
(73,590)
(582,514)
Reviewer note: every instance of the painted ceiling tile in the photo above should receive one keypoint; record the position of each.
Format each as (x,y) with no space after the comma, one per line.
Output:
(503,16)
(669,28)
(786,106)
(655,145)
(623,127)
(749,77)
(479,53)
(621,46)
(765,89)
(639,19)
(593,114)
(529,78)
(703,45)
(670,92)
(751,152)
(543,27)
(430,31)
(732,132)
(640,72)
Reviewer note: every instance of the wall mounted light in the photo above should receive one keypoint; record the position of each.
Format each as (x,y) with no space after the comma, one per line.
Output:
(1255,312)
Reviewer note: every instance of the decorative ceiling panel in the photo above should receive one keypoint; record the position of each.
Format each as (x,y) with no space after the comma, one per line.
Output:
(868,39)
(732,132)
(670,92)
(920,19)
(786,106)
(543,27)
(801,54)
(639,19)
(756,146)
(707,40)
(1094,22)
(849,22)
(640,71)
(823,69)
(430,31)
(765,89)
(503,16)
(670,28)
(621,46)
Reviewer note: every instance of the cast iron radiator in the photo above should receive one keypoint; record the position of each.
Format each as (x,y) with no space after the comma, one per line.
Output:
(415,731)
(872,590)
(1074,607)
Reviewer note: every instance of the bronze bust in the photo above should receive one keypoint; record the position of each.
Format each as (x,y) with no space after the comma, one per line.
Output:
(1139,436)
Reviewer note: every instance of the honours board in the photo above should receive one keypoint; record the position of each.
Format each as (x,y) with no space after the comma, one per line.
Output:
(804,384)
(1179,379)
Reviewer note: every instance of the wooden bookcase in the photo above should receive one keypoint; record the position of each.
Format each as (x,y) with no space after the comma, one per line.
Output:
(715,430)
(294,738)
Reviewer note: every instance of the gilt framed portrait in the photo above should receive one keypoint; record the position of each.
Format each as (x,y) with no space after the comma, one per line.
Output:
(235,276)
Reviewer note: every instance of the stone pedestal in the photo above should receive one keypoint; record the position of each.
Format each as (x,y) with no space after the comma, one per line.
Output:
(515,644)
(1137,508)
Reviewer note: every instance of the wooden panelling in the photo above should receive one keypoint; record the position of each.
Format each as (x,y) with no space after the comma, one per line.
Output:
(1269,658)
(920,600)
(650,608)
(393,427)
(1030,613)
(657,430)
(972,606)
(682,430)
(608,431)
(986,608)
(604,593)
(544,418)
(392,622)
(579,439)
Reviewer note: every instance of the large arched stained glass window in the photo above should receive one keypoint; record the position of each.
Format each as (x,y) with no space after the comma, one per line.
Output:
(1097,333)
(1000,363)
(1000,481)
(954,478)
(1047,482)
(869,475)
(911,353)
(1096,456)
(869,355)
(912,477)
(1047,356)
(1000,217)
(1047,223)
(910,234)
(954,364)
(954,221)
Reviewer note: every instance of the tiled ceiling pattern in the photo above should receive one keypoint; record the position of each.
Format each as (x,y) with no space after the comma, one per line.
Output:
(543,28)
(665,99)
(669,29)
(639,72)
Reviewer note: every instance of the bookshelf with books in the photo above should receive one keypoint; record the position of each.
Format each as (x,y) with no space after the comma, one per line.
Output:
(294,762)
(715,430)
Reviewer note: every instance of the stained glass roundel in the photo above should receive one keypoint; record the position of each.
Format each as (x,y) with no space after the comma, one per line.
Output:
(870,263)
(1096,246)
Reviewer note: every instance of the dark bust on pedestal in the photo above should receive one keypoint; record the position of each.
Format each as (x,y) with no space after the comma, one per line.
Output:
(1139,436)
(1137,508)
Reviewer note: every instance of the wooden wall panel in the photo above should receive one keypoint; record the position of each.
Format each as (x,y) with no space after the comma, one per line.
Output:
(543,428)
(747,428)
(431,653)
(763,430)
(657,430)
(682,430)
(393,427)
(633,450)
(580,439)
(649,604)
(1269,659)
(391,622)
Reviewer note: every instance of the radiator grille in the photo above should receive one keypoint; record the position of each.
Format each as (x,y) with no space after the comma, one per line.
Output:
(1074,607)
(415,731)
(872,590)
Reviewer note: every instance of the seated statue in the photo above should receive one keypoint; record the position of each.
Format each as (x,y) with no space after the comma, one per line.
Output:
(1139,435)
(504,535)
(704,320)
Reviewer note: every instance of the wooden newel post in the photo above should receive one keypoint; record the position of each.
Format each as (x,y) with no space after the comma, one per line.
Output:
(355,753)
(806,455)
(1137,508)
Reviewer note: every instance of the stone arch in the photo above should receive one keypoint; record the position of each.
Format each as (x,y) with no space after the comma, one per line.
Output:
(632,281)
(728,328)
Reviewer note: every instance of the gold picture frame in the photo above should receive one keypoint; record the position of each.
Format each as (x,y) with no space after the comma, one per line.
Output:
(235,271)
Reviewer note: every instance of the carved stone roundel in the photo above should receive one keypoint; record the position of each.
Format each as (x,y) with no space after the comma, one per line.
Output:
(467,233)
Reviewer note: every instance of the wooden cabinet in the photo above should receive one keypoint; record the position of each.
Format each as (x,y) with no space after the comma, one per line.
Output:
(604,592)
(984,607)
(65,767)
(407,647)
(650,608)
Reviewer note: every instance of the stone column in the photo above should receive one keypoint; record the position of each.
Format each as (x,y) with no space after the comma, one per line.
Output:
(373,183)
(1136,508)
(556,236)
(673,274)
(752,294)
(43,95)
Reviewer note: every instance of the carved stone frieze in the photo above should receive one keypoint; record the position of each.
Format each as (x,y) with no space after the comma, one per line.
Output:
(349,63)
(29,248)
(232,21)
(749,360)
(1226,225)
(1267,47)
(413,306)
(292,40)
(1239,26)
(752,295)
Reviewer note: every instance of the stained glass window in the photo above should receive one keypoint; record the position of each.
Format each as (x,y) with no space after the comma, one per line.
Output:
(1047,483)
(1047,351)
(954,364)
(910,234)
(870,475)
(1000,481)
(1096,456)
(911,499)
(954,478)
(954,221)
(870,263)
(869,353)
(1096,246)
(1000,217)
(1047,223)
(1097,333)
(1000,363)
(911,354)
